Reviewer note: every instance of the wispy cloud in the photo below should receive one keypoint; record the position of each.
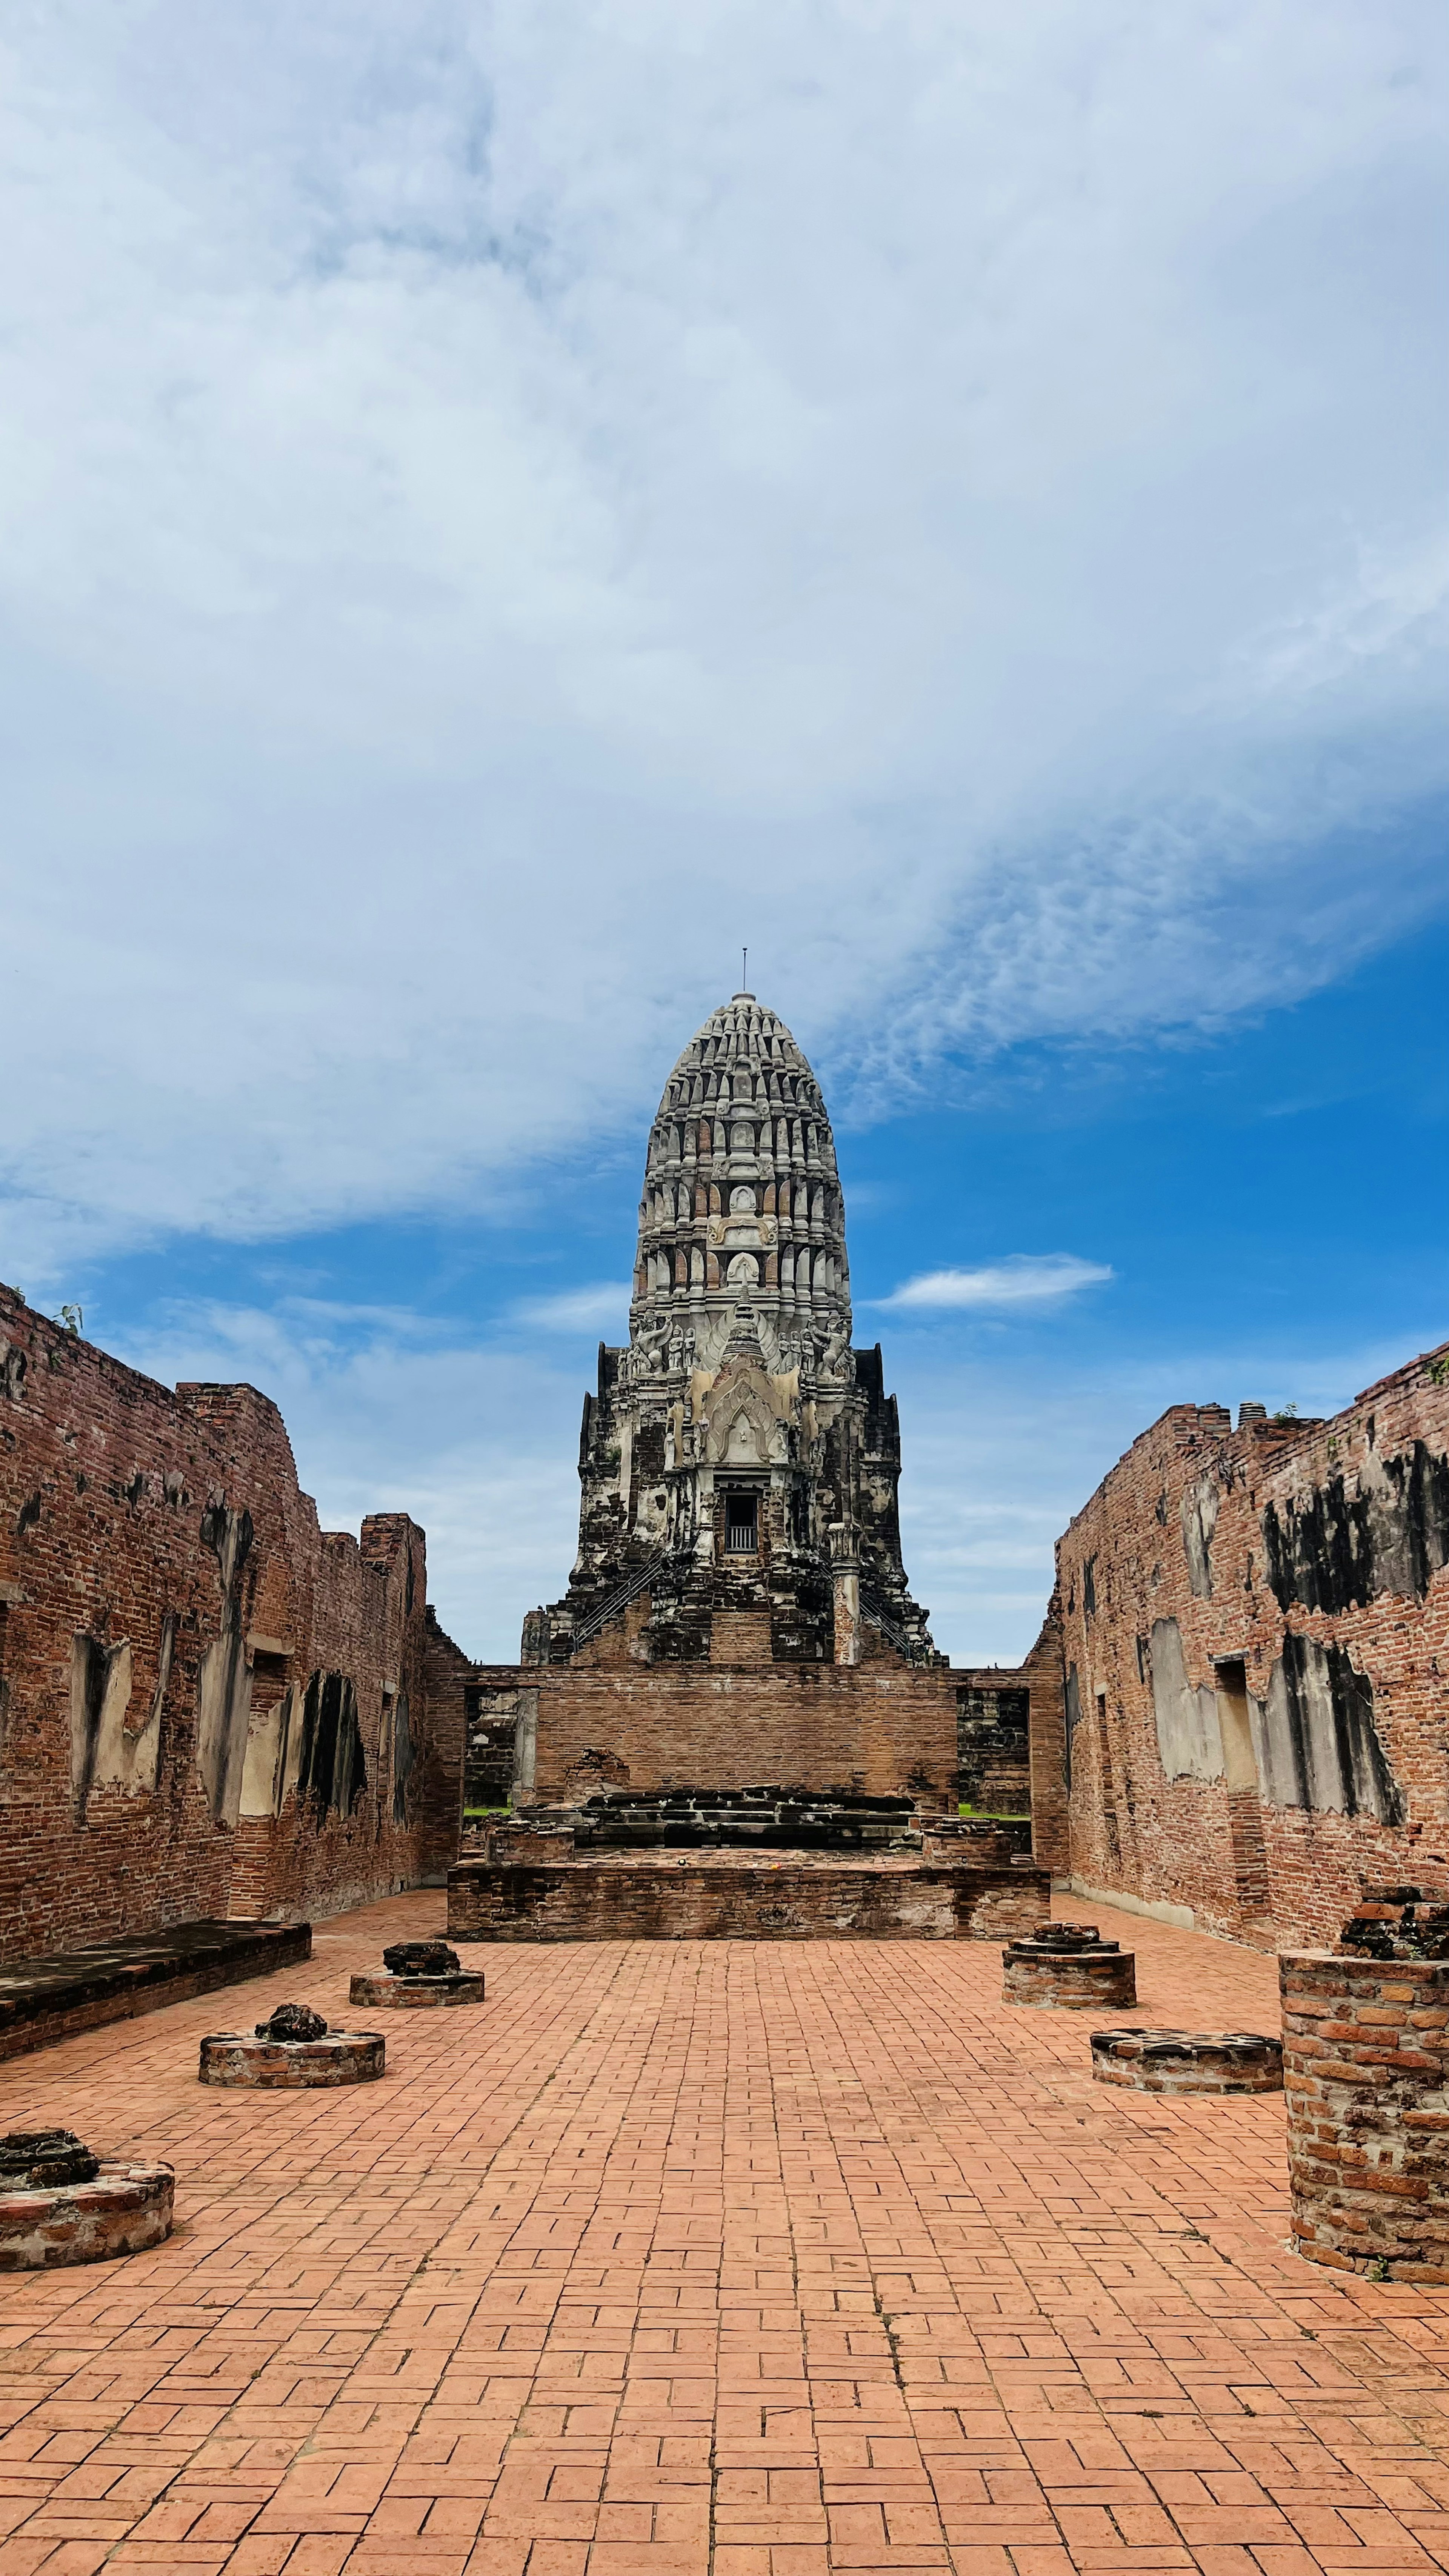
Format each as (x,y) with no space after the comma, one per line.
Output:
(1022,1279)
(596,1309)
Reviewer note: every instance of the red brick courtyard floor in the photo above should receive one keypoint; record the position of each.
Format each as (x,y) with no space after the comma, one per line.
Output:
(773,2259)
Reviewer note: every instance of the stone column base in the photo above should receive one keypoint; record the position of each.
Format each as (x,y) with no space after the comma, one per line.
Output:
(343,2057)
(1089,1979)
(125,2209)
(414,1994)
(1188,2061)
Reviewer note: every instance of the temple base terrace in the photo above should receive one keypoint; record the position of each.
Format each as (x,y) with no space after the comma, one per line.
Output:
(756,2258)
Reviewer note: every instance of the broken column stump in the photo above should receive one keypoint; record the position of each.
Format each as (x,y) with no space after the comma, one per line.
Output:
(1068,1965)
(1188,2061)
(294,2048)
(1365,2062)
(981,1845)
(415,1975)
(61,2204)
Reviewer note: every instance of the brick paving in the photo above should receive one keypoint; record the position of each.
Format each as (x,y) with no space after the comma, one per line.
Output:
(764,2260)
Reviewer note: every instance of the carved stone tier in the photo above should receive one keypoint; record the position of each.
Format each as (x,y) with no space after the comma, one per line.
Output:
(1068,1967)
(1188,2061)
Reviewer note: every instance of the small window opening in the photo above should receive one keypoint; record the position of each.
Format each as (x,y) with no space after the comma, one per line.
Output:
(741,1524)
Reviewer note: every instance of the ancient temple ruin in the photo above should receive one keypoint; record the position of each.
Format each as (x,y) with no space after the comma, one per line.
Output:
(738,1644)
(738,1613)
(738,1668)
(739,1460)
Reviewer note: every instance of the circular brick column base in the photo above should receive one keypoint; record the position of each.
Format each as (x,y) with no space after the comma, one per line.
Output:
(125,2209)
(1188,2061)
(343,2057)
(1365,2067)
(1089,1976)
(415,1994)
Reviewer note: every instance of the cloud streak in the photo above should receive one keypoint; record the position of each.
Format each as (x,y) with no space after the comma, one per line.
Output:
(1023,1279)
(603,1308)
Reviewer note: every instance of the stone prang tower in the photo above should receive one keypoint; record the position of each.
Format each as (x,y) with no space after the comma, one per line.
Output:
(740,1460)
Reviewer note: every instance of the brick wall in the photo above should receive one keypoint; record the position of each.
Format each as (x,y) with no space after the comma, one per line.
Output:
(1011,1742)
(1255,1633)
(884,1726)
(1044,1674)
(208,1705)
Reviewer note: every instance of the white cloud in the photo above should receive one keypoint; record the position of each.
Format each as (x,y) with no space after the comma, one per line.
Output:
(603,1308)
(1023,1279)
(960,487)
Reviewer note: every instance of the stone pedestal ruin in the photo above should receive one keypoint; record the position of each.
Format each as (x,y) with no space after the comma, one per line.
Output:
(294,2049)
(1188,2061)
(1364,2062)
(985,1842)
(702,1865)
(1069,1966)
(417,1975)
(61,2204)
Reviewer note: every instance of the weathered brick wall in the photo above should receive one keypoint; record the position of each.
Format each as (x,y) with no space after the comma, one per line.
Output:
(993,1714)
(884,1726)
(1045,1674)
(1255,1631)
(1010,1766)
(209,1705)
(492,1709)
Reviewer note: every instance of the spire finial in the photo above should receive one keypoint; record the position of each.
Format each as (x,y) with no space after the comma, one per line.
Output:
(744,970)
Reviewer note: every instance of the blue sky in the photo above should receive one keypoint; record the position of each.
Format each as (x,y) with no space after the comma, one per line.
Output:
(500,506)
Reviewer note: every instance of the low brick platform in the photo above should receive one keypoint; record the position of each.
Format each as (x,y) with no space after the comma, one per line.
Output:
(1068,1969)
(988,1846)
(48,1999)
(1188,2061)
(415,1994)
(1364,2066)
(292,2065)
(123,2210)
(734,1896)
